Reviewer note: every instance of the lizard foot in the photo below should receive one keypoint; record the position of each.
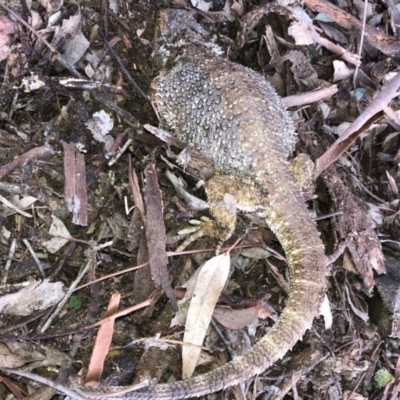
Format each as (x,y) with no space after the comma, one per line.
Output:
(203,227)
(224,194)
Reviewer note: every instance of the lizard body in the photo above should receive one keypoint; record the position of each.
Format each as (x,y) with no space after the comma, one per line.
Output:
(233,115)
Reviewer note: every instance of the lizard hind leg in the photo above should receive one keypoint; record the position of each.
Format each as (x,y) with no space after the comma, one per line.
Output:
(225,194)
(204,227)
(223,209)
(222,205)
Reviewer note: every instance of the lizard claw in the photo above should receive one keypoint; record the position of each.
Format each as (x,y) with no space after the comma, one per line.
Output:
(203,227)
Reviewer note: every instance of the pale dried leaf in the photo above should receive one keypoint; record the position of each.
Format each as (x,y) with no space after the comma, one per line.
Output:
(302,28)
(375,213)
(361,314)
(326,312)
(60,233)
(37,296)
(94,58)
(348,263)
(387,78)
(7,26)
(18,354)
(23,202)
(341,128)
(256,253)
(68,29)
(76,48)
(113,4)
(325,109)
(210,282)
(392,184)
(51,6)
(238,7)
(341,71)
(5,235)
(54,19)
(179,318)
(284,3)
(11,357)
(5,50)
(350,395)
(100,125)
(301,34)
(301,16)
(37,21)
(89,71)
(377,260)
(20,203)
(189,285)
(252,328)
(202,5)
(32,82)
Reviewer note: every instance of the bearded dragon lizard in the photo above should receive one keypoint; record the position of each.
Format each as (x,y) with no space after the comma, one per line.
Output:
(233,115)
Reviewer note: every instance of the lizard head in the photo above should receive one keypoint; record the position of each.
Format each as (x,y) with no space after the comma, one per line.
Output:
(175,24)
(177,29)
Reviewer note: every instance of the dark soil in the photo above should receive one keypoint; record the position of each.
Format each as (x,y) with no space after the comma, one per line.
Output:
(356,201)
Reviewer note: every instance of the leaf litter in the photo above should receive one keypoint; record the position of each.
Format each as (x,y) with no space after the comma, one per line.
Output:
(83,215)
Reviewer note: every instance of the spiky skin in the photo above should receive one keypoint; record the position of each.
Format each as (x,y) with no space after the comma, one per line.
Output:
(233,114)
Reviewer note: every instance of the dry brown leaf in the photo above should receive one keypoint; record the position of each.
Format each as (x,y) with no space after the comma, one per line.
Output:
(75,187)
(235,319)
(102,344)
(155,234)
(18,392)
(369,116)
(364,247)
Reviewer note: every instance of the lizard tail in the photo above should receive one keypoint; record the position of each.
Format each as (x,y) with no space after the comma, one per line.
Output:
(291,223)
